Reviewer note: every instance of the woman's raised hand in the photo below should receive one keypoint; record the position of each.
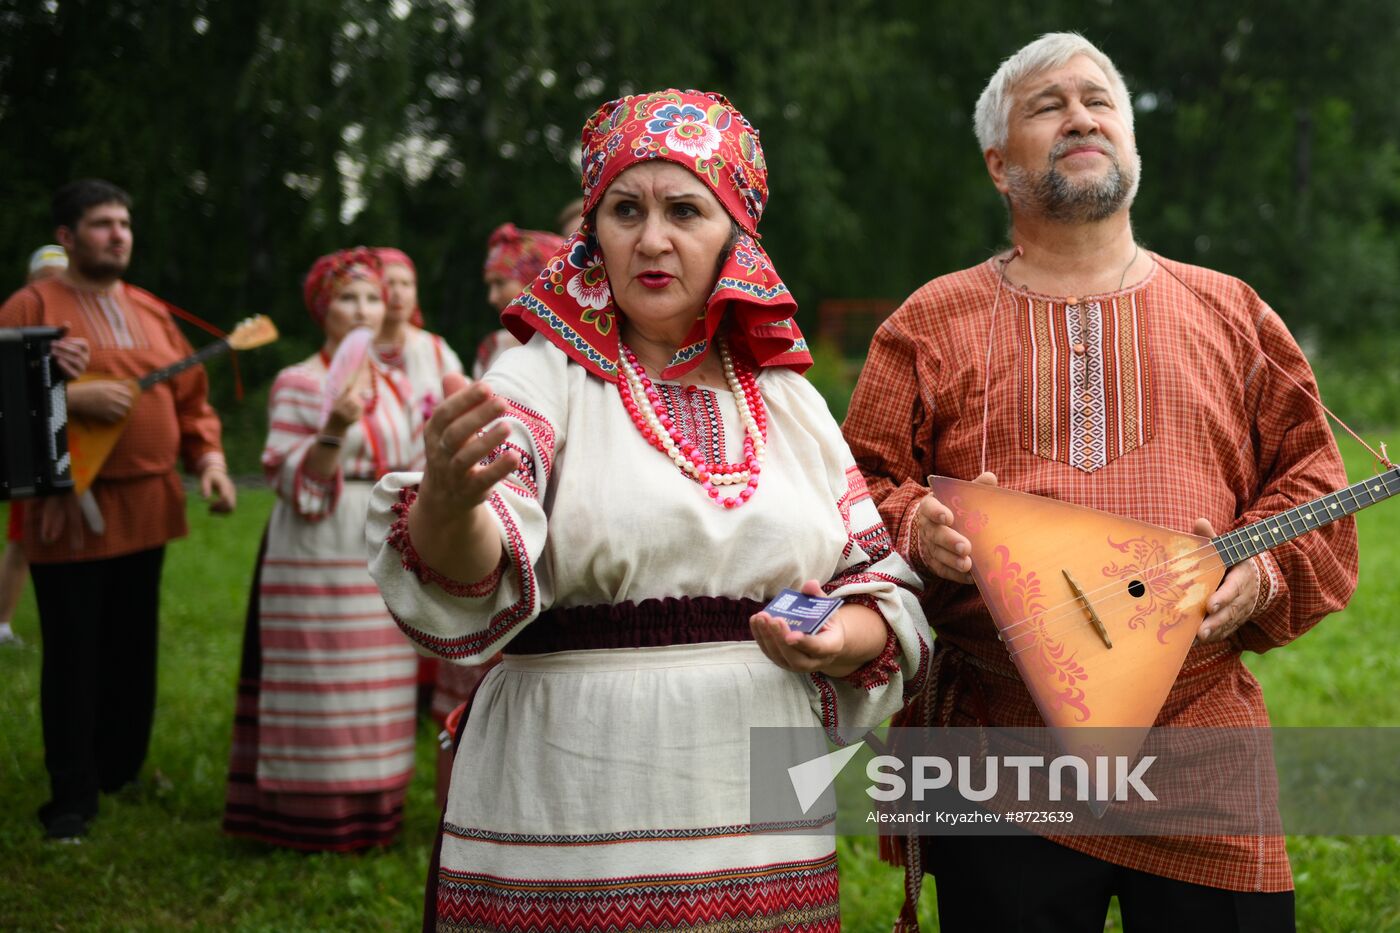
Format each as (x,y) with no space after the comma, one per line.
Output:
(347,410)
(456,441)
(449,522)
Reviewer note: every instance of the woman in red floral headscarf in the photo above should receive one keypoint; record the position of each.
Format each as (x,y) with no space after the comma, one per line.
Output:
(324,731)
(612,507)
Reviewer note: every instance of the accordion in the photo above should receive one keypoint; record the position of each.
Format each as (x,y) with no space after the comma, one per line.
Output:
(34,458)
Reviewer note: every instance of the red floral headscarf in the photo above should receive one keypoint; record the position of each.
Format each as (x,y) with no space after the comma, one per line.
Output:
(334,269)
(571,302)
(518,254)
(389,256)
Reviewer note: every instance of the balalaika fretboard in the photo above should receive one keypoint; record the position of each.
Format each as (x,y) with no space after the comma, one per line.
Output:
(174,369)
(1240,545)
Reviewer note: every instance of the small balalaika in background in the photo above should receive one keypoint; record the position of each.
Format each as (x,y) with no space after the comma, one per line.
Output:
(91,442)
(1098,611)
(34,458)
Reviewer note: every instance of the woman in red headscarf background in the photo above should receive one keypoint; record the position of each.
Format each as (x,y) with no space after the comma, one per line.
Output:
(612,507)
(323,738)
(513,258)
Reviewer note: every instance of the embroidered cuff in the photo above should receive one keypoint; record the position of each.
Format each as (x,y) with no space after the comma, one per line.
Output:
(878,670)
(909,537)
(400,541)
(1270,580)
(314,496)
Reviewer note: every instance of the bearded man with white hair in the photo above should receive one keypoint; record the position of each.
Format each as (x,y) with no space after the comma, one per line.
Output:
(1080,366)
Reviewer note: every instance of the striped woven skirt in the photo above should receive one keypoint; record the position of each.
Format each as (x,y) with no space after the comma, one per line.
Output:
(324,725)
(608,789)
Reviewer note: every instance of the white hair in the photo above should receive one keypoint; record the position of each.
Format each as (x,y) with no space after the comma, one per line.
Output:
(992,117)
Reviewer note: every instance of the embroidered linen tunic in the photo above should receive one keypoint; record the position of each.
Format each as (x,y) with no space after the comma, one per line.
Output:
(324,744)
(604,786)
(1141,403)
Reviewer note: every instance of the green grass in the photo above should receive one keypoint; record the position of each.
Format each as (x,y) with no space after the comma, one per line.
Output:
(157,860)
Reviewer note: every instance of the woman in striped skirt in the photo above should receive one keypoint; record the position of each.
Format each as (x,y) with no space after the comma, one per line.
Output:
(324,729)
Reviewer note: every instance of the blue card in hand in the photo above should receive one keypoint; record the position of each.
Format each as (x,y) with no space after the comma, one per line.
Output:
(806,614)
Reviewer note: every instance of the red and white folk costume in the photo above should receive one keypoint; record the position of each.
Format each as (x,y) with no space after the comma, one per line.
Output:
(1143,403)
(323,746)
(607,780)
(516,254)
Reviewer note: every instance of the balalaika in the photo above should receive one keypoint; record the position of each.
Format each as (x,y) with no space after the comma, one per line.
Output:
(1098,611)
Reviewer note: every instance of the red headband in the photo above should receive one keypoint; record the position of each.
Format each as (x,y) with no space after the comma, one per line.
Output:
(331,270)
(518,254)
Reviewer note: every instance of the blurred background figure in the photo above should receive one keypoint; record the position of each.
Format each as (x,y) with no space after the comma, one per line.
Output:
(325,719)
(98,588)
(44,262)
(403,345)
(513,258)
(423,358)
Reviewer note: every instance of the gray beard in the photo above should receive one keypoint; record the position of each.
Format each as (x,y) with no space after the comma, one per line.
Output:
(1055,197)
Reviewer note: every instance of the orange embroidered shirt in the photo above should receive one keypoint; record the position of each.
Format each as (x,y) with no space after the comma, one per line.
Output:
(1142,403)
(138,490)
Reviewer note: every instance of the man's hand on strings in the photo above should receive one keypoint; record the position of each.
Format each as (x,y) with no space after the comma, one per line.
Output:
(1230,606)
(946,553)
(105,400)
(71,354)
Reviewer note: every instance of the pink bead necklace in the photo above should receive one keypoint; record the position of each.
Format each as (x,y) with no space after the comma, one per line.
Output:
(659,425)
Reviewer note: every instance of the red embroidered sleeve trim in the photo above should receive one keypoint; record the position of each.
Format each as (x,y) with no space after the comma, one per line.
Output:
(865,599)
(1265,571)
(830,708)
(878,670)
(400,541)
(907,543)
(323,491)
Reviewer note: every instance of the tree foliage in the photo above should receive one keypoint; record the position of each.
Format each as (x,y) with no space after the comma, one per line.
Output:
(256,135)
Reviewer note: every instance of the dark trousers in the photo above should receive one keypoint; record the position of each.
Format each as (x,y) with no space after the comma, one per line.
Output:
(97,695)
(1029,885)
